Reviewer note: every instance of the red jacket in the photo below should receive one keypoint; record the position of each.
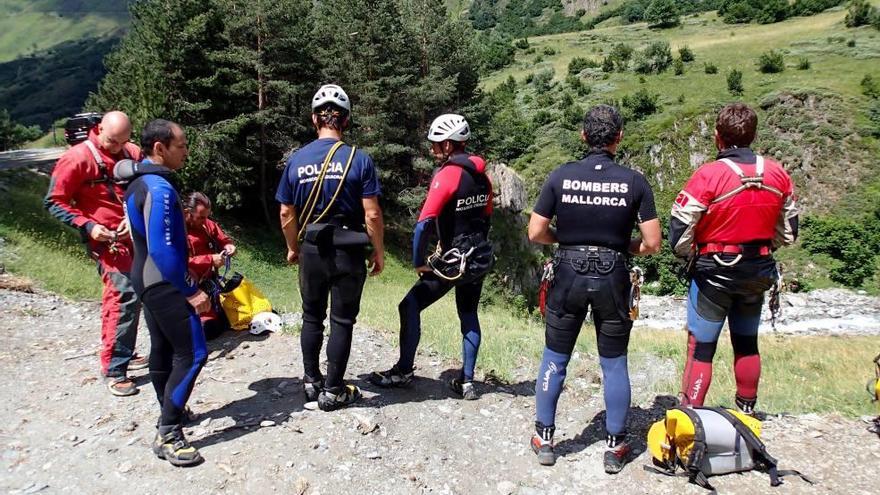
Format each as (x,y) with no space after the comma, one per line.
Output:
(704,213)
(203,243)
(78,194)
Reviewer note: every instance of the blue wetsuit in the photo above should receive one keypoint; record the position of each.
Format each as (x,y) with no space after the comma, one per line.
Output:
(161,279)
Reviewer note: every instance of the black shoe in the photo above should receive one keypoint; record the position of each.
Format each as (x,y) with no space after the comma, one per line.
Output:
(618,453)
(173,447)
(746,406)
(338,397)
(391,378)
(312,388)
(465,389)
(542,444)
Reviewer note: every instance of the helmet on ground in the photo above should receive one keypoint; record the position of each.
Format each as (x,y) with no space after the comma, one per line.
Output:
(331,93)
(449,126)
(265,322)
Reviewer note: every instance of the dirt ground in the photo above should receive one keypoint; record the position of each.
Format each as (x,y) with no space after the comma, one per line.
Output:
(62,432)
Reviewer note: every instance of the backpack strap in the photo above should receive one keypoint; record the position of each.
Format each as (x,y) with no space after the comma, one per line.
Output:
(747,182)
(765,462)
(102,169)
(698,452)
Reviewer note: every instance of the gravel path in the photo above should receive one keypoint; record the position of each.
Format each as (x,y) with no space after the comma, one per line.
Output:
(63,433)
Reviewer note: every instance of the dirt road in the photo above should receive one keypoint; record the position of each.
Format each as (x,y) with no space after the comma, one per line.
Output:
(63,433)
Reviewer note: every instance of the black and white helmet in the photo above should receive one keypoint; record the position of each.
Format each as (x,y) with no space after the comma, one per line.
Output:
(331,93)
(449,126)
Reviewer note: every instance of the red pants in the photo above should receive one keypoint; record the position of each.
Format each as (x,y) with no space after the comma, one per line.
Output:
(120,311)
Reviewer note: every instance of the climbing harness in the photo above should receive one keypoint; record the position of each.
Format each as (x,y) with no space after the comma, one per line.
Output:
(774,302)
(315,194)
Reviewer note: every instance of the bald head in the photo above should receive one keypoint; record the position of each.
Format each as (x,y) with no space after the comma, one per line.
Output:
(114,131)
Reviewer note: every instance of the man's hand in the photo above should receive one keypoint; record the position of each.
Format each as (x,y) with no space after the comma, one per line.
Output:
(123,231)
(217,260)
(230,249)
(423,269)
(377,263)
(200,302)
(292,256)
(101,233)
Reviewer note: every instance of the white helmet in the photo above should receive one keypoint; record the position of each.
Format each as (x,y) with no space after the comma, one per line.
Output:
(449,126)
(331,93)
(265,322)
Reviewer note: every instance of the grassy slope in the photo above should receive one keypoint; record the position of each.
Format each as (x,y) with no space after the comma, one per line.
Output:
(807,374)
(29,26)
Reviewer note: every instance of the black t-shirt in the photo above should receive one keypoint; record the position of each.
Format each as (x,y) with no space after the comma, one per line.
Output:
(596,202)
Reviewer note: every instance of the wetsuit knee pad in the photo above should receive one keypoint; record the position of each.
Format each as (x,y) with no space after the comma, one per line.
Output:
(559,340)
(705,351)
(744,345)
(612,338)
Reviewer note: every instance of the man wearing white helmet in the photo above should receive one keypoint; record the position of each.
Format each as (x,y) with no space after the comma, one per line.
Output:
(330,213)
(458,210)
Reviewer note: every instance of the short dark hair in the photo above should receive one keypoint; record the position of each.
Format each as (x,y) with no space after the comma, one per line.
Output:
(194,199)
(331,116)
(737,125)
(602,125)
(157,131)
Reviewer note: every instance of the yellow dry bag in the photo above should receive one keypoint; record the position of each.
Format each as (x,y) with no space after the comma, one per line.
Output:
(242,301)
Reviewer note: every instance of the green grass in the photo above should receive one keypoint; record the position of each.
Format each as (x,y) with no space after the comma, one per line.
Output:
(30,26)
(803,374)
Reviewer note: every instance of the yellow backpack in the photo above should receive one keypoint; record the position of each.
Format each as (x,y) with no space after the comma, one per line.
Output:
(241,301)
(708,441)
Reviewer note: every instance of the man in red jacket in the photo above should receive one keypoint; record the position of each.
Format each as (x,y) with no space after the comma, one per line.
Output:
(731,215)
(82,195)
(208,248)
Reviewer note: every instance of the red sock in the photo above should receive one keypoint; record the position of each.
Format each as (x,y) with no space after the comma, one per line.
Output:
(697,377)
(747,370)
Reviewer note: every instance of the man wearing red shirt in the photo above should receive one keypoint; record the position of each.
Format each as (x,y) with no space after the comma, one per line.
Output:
(82,196)
(731,215)
(208,248)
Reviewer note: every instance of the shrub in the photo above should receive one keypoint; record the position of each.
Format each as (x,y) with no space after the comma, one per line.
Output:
(621,52)
(640,104)
(873,113)
(804,64)
(549,51)
(851,43)
(852,243)
(734,82)
(656,58)
(771,62)
(662,14)
(678,67)
(608,64)
(544,80)
(870,87)
(578,64)
(686,54)
(710,68)
(859,13)
(522,44)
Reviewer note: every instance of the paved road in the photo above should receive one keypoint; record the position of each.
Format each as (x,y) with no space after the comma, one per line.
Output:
(41,158)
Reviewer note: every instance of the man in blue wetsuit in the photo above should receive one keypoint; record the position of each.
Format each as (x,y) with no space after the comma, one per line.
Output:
(330,213)
(596,203)
(172,301)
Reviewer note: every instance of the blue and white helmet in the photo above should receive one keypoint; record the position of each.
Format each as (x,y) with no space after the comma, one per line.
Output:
(449,126)
(331,93)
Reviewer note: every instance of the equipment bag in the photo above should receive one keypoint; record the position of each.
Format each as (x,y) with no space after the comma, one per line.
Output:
(240,299)
(710,441)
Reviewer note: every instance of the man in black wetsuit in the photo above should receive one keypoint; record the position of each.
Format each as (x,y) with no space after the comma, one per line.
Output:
(330,213)
(459,205)
(172,300)
(597,203)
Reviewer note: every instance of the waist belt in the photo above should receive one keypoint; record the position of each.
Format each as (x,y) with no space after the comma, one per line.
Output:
(746,250)
(585,259)
(578,252)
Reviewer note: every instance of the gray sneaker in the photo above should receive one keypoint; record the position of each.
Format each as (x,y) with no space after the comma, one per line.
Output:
(464,389)
(391,378)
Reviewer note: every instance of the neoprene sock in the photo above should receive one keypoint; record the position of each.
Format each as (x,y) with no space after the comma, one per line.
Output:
(697,377)
(747,370)
(551,376)
(615,376)
(470,344)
